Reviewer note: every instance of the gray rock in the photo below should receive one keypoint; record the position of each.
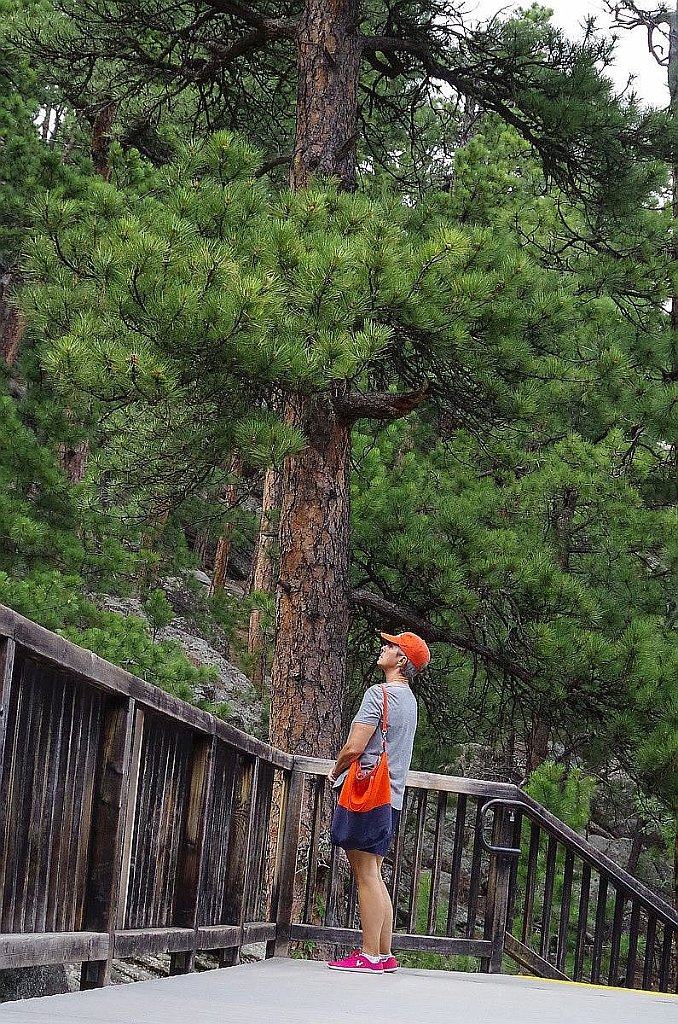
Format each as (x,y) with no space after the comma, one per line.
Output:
(28,982)
(201,577)
(231,686)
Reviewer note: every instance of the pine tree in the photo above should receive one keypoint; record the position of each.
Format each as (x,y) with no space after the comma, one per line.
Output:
(141,308)
(26,165)
(455,317)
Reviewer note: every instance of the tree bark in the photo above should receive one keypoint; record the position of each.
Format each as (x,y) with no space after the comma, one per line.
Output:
(312,599)
(11,323)
(538,743)
(378,405)
(102,125)
(74,458)
(224,543)
(201,545)
(328,60)
(261,577)
(312,595)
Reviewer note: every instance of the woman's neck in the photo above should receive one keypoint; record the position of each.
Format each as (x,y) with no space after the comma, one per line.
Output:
(393,677)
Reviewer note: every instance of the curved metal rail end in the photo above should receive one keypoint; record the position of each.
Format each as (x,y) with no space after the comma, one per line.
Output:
(505,851)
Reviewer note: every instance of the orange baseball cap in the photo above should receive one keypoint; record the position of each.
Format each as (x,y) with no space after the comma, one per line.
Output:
(413,646)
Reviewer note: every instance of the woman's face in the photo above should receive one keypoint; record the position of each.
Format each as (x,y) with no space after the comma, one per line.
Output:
(389,655)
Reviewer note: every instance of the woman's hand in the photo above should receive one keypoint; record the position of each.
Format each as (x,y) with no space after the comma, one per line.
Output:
(358,739)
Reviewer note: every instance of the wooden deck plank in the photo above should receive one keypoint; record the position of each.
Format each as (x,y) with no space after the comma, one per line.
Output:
(305,992)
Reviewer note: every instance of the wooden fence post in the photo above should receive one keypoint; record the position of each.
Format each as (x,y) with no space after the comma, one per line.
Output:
(286,863)
(242,823)
(128,829)
(192,852)
(497,900)
(7,652)
(108,812)
(7,649)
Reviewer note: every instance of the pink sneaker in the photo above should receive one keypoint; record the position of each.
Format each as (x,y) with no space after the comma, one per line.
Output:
(357,962)
(390,964)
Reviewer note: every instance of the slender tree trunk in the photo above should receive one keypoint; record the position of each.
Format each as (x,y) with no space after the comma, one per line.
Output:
(538,743)
(328,56)
(561,527)
(224,545)
(11,323)
(673,90)
(73,458)
(201,545)
(220,563)
(312,598)
(101,139)
(636,850)
(261,576)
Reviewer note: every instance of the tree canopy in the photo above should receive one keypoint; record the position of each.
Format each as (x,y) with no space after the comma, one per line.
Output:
(419,270)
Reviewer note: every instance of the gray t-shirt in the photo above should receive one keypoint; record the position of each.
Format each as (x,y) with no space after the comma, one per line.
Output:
(402,725)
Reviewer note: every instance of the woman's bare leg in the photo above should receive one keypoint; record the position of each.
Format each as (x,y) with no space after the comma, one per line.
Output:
(386,934)
(366,868)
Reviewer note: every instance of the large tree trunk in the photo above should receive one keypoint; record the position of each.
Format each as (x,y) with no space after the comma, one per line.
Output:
(312,598)
(328,49)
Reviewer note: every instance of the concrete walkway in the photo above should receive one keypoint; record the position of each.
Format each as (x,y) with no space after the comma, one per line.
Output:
(306,992)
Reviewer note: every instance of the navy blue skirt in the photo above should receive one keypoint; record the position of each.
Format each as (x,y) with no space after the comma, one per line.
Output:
(359,838)
(382,848)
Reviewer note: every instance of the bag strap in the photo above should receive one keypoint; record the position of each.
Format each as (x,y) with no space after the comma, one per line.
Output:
(384,720)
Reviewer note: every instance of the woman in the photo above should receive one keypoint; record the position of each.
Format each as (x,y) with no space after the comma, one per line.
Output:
(401,658)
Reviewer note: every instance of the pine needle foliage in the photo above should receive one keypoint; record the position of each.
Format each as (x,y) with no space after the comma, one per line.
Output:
(174,315)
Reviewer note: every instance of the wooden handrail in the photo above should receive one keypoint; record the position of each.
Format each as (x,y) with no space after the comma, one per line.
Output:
(88,666)
(425,780)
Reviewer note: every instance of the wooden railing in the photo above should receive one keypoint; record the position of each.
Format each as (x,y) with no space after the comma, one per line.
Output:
(130,821)
(133,823)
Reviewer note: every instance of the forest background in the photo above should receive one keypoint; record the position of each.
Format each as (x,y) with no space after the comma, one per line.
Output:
(375,310)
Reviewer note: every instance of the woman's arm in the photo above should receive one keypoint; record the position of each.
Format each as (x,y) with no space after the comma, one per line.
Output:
(358,738)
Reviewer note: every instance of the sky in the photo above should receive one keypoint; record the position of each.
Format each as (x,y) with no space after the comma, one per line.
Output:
(632,51)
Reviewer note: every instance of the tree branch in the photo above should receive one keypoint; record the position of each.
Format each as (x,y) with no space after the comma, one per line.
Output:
(467,83)
(225,54)
(378,405)
(275,28)
(270,165)
(398,615)
(628,15)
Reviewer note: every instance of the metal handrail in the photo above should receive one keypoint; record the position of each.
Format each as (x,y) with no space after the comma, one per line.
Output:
(505,851)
